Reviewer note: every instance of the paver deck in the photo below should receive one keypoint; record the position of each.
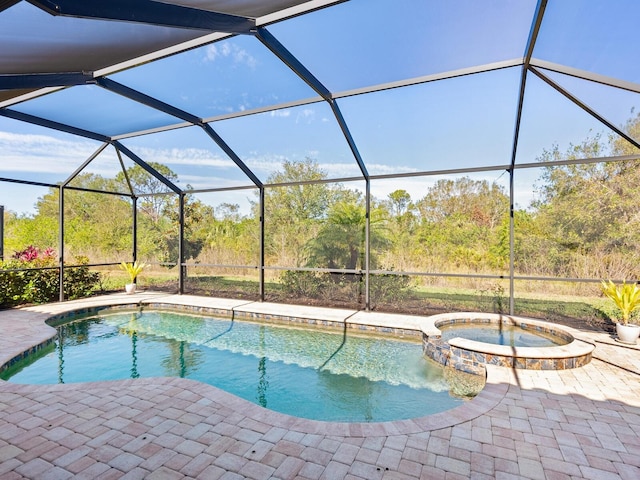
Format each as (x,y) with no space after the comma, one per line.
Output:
(580,423)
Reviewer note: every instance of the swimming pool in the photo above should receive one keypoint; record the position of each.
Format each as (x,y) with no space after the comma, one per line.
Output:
(312,373)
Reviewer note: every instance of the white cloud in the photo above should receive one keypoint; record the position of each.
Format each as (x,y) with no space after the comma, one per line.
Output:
(199,157)
(339,170)
(42,154)
(199,182)
(280,113)
(211,53)
(45,154)
(231,51)
(265,164)
(381,169)
(306,115)
(29,156)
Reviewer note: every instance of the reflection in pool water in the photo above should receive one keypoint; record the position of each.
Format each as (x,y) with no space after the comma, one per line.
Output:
(319,374)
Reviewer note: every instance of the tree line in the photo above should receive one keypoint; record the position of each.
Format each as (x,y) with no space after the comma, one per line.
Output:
(583,222)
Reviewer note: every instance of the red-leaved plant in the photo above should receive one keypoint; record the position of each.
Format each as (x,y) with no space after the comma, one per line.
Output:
(31,253)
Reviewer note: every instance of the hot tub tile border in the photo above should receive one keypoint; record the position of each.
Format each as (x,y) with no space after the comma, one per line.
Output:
(469,360)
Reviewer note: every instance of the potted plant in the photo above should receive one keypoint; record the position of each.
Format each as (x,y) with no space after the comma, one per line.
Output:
(626,298)
(133,269)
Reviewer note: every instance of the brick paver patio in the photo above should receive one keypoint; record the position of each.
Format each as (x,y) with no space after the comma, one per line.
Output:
(581,423)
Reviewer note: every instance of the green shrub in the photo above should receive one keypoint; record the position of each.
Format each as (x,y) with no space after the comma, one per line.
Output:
(12,285)
(37,278)
(304,284)
(80,281)
(389,287)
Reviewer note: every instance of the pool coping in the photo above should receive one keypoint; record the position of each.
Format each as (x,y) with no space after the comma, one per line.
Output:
(39,333)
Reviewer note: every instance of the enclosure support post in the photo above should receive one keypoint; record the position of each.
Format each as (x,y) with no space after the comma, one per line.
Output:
(181,243)
(511,243)
(261,260)
(1,233)
(134,222)
(367,244)
(61,240)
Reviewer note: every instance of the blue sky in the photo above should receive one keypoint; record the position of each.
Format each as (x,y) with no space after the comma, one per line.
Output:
(455,123)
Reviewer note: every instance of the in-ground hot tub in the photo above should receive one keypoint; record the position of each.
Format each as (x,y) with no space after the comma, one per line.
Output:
(468,341)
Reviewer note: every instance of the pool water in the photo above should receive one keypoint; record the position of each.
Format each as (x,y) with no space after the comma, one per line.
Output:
(501,334)
(312,373)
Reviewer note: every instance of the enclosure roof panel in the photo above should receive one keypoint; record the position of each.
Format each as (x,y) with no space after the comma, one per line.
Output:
(36,42)
(233,75)
(228,91)
(600,37)
(245,8)
(399,40)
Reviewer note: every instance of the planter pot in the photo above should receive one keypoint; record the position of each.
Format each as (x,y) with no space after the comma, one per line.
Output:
(130,288)
(628,333)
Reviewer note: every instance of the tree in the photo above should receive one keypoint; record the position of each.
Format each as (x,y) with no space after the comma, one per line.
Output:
(294,211)
(302,201)
(399,226)
(97,225)
(477,201)
(340,242)
(460,224)
(400,202)
(228,211)
(229,237)
(588,211)
(23,230)
(620,146)
(143,183)
(158,220)
(197,221)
